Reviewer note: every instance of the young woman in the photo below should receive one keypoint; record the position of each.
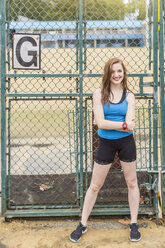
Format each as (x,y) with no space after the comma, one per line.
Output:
(114,114)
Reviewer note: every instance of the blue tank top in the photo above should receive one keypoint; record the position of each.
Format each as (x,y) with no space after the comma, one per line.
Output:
(115,112)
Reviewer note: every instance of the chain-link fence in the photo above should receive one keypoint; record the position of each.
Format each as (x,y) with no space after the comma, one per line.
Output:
(51,139)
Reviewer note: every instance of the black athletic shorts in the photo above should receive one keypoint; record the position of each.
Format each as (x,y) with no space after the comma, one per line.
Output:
(107,149)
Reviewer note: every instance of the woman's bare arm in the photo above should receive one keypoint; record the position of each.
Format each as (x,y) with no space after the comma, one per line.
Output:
(130,115)
(130,107)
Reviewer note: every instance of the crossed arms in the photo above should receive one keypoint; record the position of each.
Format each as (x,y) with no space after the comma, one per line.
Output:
(115,125)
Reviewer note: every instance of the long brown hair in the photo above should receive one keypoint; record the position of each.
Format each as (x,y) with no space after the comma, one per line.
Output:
(106,82)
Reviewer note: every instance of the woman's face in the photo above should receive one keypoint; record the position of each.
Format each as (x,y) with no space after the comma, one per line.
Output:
(117,74)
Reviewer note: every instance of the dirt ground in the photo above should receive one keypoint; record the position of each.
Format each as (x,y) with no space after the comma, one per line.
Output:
(102,233)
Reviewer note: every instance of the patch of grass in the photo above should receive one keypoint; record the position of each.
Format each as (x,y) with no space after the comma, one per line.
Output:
(25,124)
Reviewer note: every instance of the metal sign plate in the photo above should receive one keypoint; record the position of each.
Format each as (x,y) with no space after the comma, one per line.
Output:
(26,51)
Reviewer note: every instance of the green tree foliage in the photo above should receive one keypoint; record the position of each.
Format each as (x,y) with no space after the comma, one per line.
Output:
(139,5)
(32,9)
(60,10)
(105,10)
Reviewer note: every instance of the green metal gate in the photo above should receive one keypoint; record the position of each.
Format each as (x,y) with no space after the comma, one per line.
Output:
(48,139)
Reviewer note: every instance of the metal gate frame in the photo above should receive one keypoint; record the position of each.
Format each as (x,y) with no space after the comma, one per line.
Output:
(3,110)
(81,75)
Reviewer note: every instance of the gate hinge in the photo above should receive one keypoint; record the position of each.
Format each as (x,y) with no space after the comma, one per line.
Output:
(145,191)
(149,187)
(154,186)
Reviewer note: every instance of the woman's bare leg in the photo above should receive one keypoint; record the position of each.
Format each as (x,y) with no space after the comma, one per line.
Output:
(129,169)
(98,177)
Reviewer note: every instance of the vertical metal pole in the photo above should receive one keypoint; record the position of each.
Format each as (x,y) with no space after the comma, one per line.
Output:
(162,100)
(3,113)
(150,135)
(85,37)
(155,71)
(81,97)
(70,113)
(77,148)
(8,33)
(8,180)
(77,42)
(140,142)
(162,88)
(158,15)
(147,24)
(86,143)
(141,85)
(150,39)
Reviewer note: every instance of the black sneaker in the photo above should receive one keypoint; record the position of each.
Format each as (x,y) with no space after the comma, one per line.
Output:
(76,234)
(134,232)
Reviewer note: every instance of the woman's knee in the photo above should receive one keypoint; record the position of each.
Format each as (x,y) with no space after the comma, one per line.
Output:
(95,187)
(132,183)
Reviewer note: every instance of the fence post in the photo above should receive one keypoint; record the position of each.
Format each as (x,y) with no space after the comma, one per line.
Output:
(155,77)
(162,102)
(81,98)
(3,112)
